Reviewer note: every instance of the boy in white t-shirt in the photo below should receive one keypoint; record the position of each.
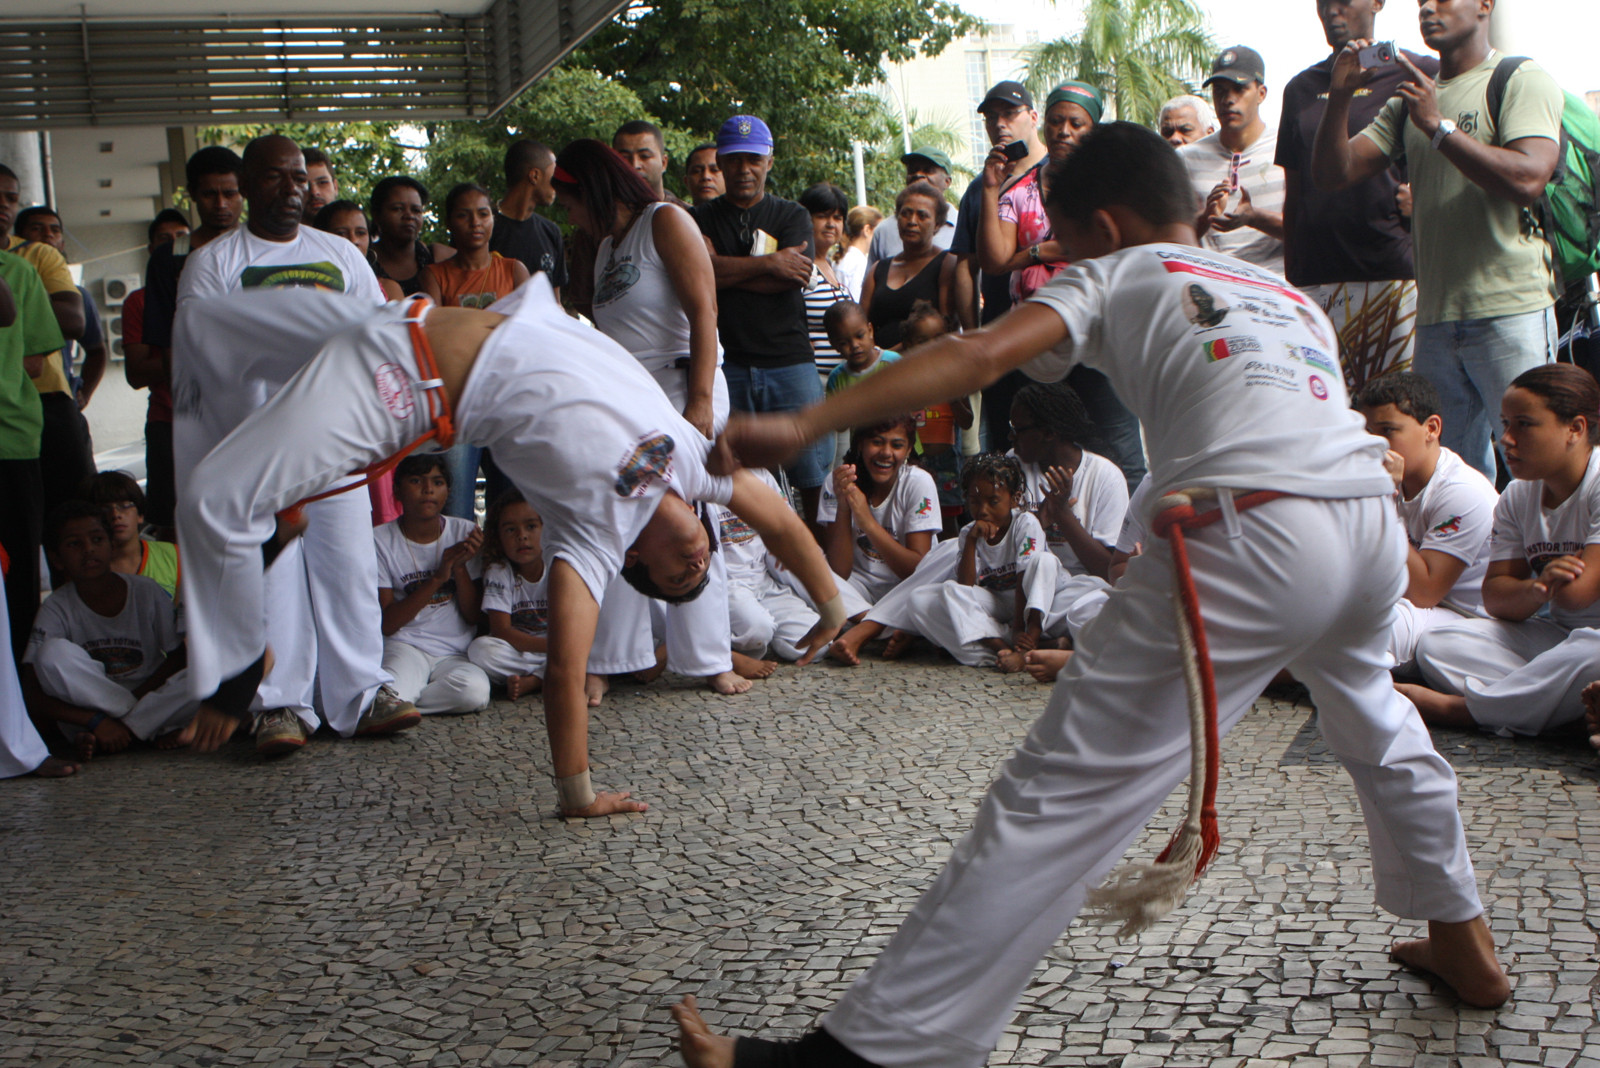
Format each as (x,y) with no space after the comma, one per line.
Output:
(428,573)
(1230,401)
(105,647)
(574,421)
(1446,507)
(516,600)
(763,611)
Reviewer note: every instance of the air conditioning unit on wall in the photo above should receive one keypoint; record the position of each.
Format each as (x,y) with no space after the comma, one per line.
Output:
(117,287)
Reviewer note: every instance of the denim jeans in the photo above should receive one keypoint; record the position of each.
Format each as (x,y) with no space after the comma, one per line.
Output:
(462,462)
(1471,362)
(783,389)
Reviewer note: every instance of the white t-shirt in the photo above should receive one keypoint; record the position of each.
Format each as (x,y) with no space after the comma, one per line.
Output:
(1101,492)
(131,645)
(851,271)
(1524,529)
(1454,514)
(583,430)
(744,554)
(999,566)
(911,506)
(214,388)
(525,602)
(1135,535)
(403,565)
(1210,162)
(1233,375)
(634,302)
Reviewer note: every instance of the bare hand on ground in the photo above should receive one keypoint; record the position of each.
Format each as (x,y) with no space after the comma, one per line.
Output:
(606,803)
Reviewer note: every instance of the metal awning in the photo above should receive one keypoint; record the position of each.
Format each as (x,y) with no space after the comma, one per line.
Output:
(127,63)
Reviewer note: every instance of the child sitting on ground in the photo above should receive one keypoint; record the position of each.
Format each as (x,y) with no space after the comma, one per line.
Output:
(131,553)
(105,646)
(881,513)
(990,614)
(851,336)
(1446,506)
(939,427)
(763,610)
(512,654)
(428,567)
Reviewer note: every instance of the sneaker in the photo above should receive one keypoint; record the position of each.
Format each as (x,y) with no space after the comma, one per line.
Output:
(387,715)
(280,732)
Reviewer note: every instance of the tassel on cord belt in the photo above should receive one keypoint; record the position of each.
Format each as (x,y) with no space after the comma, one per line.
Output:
(1138,895)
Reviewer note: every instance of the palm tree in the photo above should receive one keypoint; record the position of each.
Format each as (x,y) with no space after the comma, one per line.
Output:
(1140,52)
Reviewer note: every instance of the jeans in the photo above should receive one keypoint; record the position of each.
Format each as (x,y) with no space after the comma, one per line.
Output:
(783,389)
(1119,428)
(462,463)
(1471,362)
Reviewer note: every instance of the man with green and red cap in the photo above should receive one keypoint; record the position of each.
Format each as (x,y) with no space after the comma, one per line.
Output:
(922,164)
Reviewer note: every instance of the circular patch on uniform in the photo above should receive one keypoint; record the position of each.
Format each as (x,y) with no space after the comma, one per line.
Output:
(1319,388)
(394,389)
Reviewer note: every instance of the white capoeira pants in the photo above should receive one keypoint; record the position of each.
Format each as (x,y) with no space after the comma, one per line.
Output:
(1518,678)
(68,673)
(1411,624)
(769,615)
(21,748)
(433,683)
(1308,584)
(696,633)
(500,660)
(323,618)
(959,619)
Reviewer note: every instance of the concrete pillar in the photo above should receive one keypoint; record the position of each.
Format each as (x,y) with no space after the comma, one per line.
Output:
(20,152)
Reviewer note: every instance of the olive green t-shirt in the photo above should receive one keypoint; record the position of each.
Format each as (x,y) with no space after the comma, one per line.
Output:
(1477,257)
(33,334)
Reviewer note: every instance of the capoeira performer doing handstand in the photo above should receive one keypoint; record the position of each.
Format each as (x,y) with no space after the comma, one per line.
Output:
(1232,404)
(574,421)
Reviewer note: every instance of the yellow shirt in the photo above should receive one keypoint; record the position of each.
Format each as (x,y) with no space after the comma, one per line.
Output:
(52,268)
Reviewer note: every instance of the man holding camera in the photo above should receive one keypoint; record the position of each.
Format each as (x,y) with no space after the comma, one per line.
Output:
(1350,249)
(1485,280)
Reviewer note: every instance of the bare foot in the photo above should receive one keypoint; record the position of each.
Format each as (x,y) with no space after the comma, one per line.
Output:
(112,737)
(172,739)
(748,667)
(1045,664)
(85,746)
(843,651)
(1438,709)
(728,683)
(606,803)
(899,641)
(1008,661)
(517,685)
(1591,712)
(209,729)
(594,688)
(700,1048)
(1460,955)
(55,768)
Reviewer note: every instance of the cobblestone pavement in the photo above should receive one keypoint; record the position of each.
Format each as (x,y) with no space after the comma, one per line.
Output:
(414,901)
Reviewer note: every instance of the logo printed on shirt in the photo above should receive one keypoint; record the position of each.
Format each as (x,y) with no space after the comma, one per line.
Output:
(1314,357)
(1319,388)
(1449,526)
(443,595)
(119,657)
(1467,122)
(532,619)
(394,389)
(1028,545)
(320,275)
(615,282)
(649,459)
(925,507)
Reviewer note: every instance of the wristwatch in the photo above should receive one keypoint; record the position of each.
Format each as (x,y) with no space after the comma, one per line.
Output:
(1033,254)
(1446,128)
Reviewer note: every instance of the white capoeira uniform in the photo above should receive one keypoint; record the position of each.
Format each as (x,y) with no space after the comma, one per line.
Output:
(911,507)
(96,662)
(21,748)
(959,618)
(1453,514)
(528,606)
(1526,676)
(763,611)
(428,656)
(321,602)
(575,423)
(1305,581)
(1100,492)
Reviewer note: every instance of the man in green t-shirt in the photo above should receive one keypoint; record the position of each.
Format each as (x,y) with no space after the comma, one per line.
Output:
(24,345)
(1486,283)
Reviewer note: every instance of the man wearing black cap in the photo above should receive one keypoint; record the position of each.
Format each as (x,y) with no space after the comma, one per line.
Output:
(922,165)
(1349,249)
(1239,185)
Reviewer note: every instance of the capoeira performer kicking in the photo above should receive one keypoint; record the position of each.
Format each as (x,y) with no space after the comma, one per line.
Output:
(574,421)
(1232,405)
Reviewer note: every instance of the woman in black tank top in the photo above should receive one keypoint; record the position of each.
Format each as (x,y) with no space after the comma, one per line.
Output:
(921,271)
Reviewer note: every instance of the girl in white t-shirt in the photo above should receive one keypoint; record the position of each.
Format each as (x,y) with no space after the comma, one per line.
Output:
(1524,670)
(987,615)
(514,598)
(882,514)
(1079,495)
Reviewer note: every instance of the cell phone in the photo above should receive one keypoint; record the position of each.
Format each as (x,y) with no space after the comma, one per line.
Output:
(1380,54)
(1016,150)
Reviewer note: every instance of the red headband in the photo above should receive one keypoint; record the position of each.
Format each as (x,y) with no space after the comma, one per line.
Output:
(562,176)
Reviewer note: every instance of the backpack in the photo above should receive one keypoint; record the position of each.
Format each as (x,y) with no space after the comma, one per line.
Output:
(1569,211)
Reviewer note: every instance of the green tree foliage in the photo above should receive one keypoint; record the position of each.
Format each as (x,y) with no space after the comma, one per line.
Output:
(361,152)
(1140,52)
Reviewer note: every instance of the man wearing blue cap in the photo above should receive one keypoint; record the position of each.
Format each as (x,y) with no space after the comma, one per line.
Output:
(761,251)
